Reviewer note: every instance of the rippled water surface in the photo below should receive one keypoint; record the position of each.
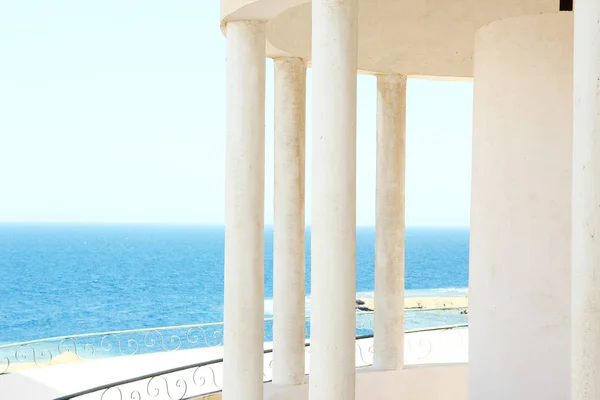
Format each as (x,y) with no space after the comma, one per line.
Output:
(66,279)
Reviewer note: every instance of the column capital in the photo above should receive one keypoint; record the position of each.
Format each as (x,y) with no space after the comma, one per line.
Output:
(391,77)
(257,26)
(291,61)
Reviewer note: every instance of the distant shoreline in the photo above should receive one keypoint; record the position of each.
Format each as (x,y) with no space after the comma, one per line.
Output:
(368,304)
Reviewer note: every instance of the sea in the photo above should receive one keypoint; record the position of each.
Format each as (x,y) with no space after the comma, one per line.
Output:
(61,279)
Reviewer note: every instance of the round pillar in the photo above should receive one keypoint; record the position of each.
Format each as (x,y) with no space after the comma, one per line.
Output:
(389,237)
(244,212)
(333,241)
(519,278)
(288,226)
(586,204)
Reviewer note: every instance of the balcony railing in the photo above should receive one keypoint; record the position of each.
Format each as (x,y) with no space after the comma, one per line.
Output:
(44,352)
(432,335)
(49,351)
(182,383)
(205,378)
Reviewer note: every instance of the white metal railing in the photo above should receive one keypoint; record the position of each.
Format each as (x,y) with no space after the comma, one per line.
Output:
(48,351)
(202,379)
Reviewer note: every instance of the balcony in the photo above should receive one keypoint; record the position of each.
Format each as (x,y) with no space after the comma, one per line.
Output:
(185,362)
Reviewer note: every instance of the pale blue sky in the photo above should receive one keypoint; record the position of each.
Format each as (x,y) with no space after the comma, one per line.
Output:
(114,111)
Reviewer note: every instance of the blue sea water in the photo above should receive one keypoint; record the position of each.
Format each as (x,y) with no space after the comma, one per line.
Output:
(60,280)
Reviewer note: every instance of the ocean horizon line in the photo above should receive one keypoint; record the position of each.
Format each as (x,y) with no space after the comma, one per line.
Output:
(188,224)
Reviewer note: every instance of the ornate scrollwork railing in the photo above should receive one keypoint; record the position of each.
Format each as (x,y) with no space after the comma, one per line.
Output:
(174,384)
(44,352)
(416,319)
(47,351)
(202,379)
(424,345)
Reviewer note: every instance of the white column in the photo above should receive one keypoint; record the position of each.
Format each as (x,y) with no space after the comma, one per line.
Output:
(389,242)
(244,212)
(333,279)
(585,292)
(288,226)
(520,253)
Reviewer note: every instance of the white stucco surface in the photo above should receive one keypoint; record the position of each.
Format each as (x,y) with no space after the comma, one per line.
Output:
(288,226)
(389,236)
(519,292)
(441,33)
(333,218)
(430,382)
(520,53)
(244,211)
(585,334)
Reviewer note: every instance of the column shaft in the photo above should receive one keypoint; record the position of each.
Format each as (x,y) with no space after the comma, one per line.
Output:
(288,239)
(244,212)
(585,292)
(333,241)
(389,247)
(520,257)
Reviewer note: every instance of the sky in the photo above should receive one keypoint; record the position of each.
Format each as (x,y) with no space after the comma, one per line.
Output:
(114,111)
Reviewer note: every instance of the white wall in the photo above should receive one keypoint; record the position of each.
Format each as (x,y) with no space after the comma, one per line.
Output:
(521,210)
(438,382)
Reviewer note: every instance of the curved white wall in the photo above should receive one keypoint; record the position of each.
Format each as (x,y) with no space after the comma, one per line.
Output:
(519,302)
(428,382)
